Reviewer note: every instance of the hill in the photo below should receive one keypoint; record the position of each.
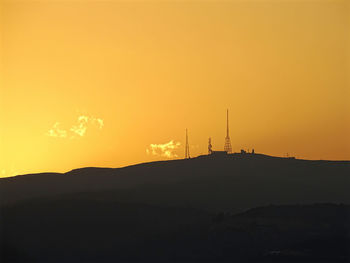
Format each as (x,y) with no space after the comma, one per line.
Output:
(209,208)
(234,182)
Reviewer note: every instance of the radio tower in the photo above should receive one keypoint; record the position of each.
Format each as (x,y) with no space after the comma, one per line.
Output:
(210,147)
(187,148)
(227,147)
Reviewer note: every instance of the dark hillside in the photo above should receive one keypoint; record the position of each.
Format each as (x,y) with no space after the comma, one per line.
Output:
(71,229)
(234,182)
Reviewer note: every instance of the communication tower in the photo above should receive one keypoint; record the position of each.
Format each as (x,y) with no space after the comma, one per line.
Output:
(210,151)
(227,147)
(187,148)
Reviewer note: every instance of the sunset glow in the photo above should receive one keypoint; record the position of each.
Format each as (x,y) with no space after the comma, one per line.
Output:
(113,83)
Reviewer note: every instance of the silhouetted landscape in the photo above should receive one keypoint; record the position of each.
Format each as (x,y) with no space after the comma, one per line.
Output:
(245,207)
(174,131)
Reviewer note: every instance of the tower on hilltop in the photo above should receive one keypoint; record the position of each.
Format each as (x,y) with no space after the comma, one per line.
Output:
(187,148)
(227,147)
(210,147)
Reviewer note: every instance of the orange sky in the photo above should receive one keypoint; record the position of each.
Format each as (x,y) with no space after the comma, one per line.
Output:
(104,83)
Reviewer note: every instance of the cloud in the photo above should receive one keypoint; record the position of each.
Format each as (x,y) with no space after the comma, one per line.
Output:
(83,123)
(80,128)
(57,132)
(98,122)
(165,150)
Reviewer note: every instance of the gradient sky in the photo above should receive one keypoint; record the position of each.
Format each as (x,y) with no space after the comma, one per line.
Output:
(113,83)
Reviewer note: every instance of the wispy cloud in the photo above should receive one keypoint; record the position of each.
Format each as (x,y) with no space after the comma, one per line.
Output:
(83,122)
(165,150)
(80,128)
(99,122)
(55,131)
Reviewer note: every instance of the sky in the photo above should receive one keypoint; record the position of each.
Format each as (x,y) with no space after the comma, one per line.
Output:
(115,83)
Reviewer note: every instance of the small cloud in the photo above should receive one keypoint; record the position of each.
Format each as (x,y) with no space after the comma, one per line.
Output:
(165,150)
(101,123)
(83,118)
(84,122)
(80,128)
(98,122)
(57,132)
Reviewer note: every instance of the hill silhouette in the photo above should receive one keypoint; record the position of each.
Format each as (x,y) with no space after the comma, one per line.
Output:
(235,182)
(209,208)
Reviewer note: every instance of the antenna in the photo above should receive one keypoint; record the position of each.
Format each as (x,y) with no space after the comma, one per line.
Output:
(227,147)
(187,148)
(227,132)
(210,151)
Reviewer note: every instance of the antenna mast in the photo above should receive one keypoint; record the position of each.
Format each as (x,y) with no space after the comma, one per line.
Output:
(227,147)
(210,151)
(187,148)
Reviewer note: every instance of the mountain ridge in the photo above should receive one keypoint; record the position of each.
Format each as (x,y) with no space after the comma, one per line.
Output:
(205,182)
(165,161)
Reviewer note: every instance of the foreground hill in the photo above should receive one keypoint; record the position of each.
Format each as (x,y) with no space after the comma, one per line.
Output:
(234,182)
